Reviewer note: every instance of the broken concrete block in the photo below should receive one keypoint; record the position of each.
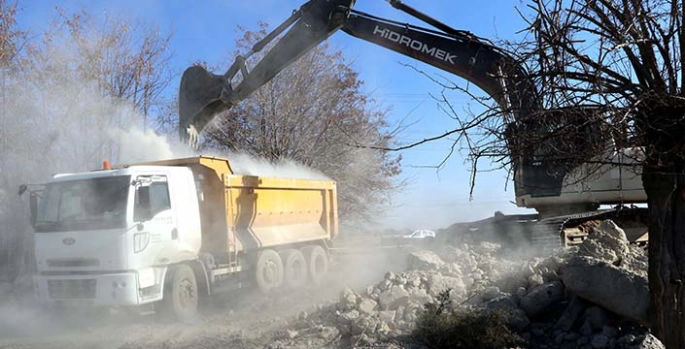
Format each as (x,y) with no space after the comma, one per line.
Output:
(425,260)
(539,298)
(392,299)
(616,289)
(571,314)
(367,306)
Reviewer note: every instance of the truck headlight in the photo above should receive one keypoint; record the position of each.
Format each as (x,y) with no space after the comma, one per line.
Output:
(119,284)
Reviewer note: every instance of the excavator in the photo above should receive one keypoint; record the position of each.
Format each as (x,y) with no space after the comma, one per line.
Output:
(567,198)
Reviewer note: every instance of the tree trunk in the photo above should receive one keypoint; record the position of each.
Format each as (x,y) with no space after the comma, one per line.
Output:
(666,200)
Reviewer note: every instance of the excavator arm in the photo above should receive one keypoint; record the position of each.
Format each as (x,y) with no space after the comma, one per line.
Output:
(458,52)
(203,95)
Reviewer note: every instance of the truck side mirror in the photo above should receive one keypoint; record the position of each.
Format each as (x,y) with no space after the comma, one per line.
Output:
(34,195)
(33,205)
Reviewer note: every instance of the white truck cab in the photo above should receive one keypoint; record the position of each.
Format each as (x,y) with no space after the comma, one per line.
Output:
(106,238)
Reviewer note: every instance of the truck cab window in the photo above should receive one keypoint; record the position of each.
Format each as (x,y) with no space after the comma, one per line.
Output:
(152,197)
(84,204)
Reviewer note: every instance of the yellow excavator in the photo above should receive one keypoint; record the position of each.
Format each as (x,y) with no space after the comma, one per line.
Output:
(567,198)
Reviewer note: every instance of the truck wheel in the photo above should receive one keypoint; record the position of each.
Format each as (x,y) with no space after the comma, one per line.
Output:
(295,269)
(181,293)
(269,271)
(317,263)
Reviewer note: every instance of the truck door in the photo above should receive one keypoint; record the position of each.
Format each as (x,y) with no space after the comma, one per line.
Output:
(155,219)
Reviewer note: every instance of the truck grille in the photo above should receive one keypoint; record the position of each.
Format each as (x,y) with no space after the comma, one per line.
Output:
(72,289)
(73,262)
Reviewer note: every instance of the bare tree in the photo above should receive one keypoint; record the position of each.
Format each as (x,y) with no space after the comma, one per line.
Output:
(65,91)
(127,59)
(106,73)
(313,112)
(11,37)
(610,75)
(12,40)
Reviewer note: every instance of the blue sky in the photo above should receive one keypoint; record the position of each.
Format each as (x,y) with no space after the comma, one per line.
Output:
(205,30)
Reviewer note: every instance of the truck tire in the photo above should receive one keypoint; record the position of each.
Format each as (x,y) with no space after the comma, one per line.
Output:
(181,293)
(295,269)
(317,263)
(269,271)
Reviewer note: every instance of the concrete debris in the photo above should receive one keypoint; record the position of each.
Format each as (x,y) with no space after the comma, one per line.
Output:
(520,293)
(635,261)
(609,243)
(367,306)
(348,300)
(588,297)
(490,293)
(539,298)
(392,299)
(425,260)
(614,288)
(385,285)
(597,318)
(586,329)
(535,280)
(610,228)
(438,283)
(419,296)
(645,341)
(487,248)
(390,276)
(599,341)
(609,331)
(387,316)
(571,314)
(303,315)
(363,325)
(328,333)
(649,342)
(349,317)
(516,317)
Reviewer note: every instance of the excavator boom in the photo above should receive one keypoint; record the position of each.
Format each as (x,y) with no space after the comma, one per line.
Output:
(203,95)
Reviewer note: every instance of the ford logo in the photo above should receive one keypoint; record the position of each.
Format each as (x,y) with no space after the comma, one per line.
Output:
(69,241)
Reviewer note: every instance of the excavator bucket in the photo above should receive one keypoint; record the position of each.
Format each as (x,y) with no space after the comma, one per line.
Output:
(199,101)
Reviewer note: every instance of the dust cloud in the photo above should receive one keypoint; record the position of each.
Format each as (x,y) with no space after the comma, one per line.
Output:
(74,128)
(248,165)
(138,146)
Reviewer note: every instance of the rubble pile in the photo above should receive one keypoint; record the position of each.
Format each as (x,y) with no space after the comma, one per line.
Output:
(593,296)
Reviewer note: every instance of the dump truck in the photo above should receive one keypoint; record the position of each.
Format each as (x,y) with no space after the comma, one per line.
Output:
(161,235)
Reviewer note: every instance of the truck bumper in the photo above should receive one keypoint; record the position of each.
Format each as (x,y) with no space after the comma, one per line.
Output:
(117,289)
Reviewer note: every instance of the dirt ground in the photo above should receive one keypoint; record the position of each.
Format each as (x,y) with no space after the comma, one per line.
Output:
(241,319)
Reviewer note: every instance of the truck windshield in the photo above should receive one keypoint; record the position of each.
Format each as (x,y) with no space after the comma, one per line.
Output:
(86,204)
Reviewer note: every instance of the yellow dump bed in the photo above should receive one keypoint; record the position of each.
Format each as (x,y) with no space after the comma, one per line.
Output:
(243,213)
